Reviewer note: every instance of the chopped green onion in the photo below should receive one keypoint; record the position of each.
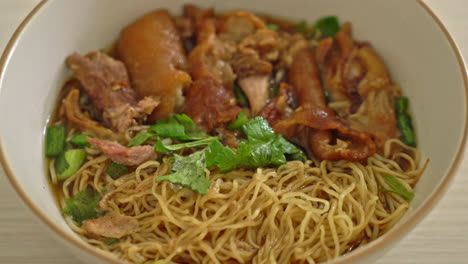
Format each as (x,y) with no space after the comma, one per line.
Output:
(55,140)
(397,187)
(240,95)
(404,122)
(273,27)
(240,120)
(111,241)
(116,170)
(301,27)
(401,104)
(328,26)
(104,189)
(69,162)
(140,139)
(80,140)
(406,127)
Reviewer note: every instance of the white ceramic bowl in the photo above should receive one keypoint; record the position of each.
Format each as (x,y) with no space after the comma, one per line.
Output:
(421,56)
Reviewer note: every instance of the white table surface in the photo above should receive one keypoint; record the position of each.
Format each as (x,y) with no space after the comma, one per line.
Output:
(442,237)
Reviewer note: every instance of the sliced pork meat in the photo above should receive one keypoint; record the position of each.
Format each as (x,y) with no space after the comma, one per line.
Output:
(130,156)
(359,86)
(192,21)
(76,116)
(239,24)
(111,225)
(289,45)
(210,101)
(106,82)
(152,50)
(210,105)
(328,138)
(257,48)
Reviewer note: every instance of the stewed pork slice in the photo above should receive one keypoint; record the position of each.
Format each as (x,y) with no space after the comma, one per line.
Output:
(359,86)
(106,82)
(152,50)
(328,138)
(111,225)
(210,101)
(130,156)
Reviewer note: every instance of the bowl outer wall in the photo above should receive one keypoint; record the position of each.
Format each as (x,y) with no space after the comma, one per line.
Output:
(34,47)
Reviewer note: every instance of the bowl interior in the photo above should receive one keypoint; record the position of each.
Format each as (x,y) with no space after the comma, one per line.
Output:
(415,49)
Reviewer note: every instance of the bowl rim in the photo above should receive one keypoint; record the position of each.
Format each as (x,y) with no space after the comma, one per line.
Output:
(395,233)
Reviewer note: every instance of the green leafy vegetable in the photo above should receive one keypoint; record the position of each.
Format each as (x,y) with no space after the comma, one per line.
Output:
(404,122)
(273,27)
(116,170)
(301,27)
(55,140)
(140,139)
(397,187)
(61,164)
(104,189)
(240,121)
(68,162)
(296,156)
(221,156)
(240,95)
(262,148)
(180,127)
(83,206)
(202,142)
(328,26)
(80,140)
(189,171)
(111,241)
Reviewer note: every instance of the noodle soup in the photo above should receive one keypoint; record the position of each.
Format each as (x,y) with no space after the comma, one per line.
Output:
(232,138)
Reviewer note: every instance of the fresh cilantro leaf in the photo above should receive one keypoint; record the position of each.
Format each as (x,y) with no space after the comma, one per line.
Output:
(180,127)
(140,139)
(116,170)
(240,121)
(190,127)
(111,241)
(397,187)
(221,156)
(300,155)
(262,148)
(258,130)
(328,26)
(80,140)
(83,206)
(206,141)
(189,171)
(167,130)
(55,140)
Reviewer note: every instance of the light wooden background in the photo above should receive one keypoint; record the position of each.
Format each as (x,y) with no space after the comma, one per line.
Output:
(442,237)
